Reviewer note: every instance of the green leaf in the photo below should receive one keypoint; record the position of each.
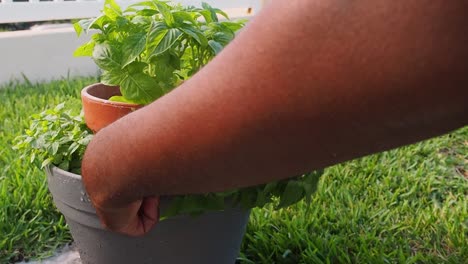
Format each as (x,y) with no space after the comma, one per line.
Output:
(248,196)
(140,88)
(122,23)
(311,181)
(75,170)
(207,16)
(182,17)
(147,12)
(78,28)
(223,38)
(83,25)
(73,147)
(85,137)
(193,204)
(112,9)
(174,207)
(163,68)
(215,46)
(221,12)
(64,165)
(293,193)
(142,21)
(85,49)
(33,157)
(106,57)
(136,67)
(174,62)
(196,34)
(156,33)
(211,10)
(111,78)
(53,135)
(55,147)
(130,10)
(58,108)
(165,11)
(150,4)
(206,6)
(233,25)
(264,195)
(46,162)
(169,39)
(133,46)
(113,5)
(213,202)
(101,22)
(121,99)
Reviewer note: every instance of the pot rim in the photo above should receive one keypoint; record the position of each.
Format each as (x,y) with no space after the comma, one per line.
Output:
(64,172)
(86,94)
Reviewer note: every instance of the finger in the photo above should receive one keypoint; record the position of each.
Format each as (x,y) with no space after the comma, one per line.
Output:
(149,213)
(135,219)
(119,218)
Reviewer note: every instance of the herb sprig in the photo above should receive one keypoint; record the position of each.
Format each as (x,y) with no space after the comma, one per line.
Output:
(57,136)
(151,47)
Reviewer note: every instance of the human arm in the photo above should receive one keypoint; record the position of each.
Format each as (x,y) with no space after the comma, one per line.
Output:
(306,85)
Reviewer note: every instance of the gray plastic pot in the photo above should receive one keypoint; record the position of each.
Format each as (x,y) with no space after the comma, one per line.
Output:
(213,237)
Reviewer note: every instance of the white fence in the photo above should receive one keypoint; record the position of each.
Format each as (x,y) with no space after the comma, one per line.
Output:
(34,10)
(45,53)
(12,11)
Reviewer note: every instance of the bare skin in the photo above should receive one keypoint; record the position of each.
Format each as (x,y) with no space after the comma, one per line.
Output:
(306,85)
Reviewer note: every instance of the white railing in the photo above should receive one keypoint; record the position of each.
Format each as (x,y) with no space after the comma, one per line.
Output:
(12,11)
(46,53)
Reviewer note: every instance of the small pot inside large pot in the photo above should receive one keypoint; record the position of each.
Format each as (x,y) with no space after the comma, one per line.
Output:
(98,110)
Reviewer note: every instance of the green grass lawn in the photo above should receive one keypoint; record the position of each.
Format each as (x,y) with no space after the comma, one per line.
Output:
(408,205)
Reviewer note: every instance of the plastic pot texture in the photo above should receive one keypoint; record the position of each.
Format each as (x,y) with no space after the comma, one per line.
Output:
(213,237)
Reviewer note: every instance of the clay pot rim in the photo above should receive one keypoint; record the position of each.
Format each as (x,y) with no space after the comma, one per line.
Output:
(86,94)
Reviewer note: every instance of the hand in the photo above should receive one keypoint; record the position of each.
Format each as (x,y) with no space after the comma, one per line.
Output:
(120,208)
(136,219)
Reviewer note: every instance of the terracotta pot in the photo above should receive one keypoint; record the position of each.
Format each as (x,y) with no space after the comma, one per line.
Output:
(98,110)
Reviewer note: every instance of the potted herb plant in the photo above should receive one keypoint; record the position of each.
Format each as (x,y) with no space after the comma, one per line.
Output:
(144,52)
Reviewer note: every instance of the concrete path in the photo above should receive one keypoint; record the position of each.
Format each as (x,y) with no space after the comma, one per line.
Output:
(67,255)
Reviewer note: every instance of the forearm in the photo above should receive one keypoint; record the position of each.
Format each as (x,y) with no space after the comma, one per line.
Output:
(308,84)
